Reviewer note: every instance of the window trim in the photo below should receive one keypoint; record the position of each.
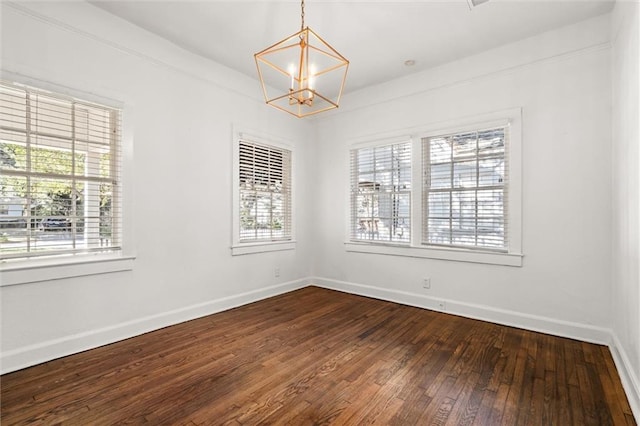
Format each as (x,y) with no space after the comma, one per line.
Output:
(62,266)
(513,256)
(453,254)
(250,247)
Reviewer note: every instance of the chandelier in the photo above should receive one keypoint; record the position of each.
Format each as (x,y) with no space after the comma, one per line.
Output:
(302,74)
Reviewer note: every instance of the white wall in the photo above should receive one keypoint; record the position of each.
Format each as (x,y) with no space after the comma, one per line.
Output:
(626,193)
(181,109)
(561,80)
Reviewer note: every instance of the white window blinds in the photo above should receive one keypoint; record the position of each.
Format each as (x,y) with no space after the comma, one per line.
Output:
(465,189)
(59,163)
(381,193)
(265,192)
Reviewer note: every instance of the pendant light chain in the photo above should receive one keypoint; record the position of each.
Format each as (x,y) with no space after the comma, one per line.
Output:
(302,15)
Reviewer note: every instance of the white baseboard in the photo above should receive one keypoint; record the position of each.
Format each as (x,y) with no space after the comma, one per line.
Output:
(486,313)
(630,382)
(46,351)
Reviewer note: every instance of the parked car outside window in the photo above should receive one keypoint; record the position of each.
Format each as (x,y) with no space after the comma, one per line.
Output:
(55,223)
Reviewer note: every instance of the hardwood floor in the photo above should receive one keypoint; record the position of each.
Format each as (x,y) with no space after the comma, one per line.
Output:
(317,356)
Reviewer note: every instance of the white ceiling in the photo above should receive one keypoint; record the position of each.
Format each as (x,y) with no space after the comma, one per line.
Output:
(376,36)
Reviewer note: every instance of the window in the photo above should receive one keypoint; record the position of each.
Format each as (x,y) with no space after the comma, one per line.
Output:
(264,178)
(451,192)
(59,186)
(381,193)
(465,189)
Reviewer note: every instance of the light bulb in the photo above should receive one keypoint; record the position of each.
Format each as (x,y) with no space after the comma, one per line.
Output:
(312,78)
(292,71)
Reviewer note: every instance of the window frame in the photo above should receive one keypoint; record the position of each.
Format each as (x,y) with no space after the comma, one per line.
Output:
(239,247)
(451,188)
(513,255)
(352,216)
(16,271)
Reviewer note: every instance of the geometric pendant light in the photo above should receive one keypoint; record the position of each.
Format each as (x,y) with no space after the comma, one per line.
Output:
(302,74)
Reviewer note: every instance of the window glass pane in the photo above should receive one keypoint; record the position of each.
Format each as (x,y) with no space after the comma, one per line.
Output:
(440,175)
(441,149)
(366,182)
(13,151)
(464,145)
(13,214)
(463,204)
(367,216)
(50,155)
(92,125)
(384,180)
(491,141)
(402,178)
(401,167)
(385,207)
(106,214)
(383,232)
(491,172)
(263,215)
(491,232)
(50,116)
(399,223)
(367,228)
(490,203)
(383,158)
(463,231)
(464,174)
(53,234)
(439,204)
(401,229)
(402,204)
(364,205)
(439,231)
(365,160)
(13,109)
(92,160)
(248,206)
(278,219)
(51,197)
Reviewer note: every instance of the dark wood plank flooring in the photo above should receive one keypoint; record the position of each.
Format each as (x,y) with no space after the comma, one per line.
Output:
(317,356)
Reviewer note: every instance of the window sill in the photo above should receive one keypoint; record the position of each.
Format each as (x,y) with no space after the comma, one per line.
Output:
(458,255)
(261,247)
(37,270)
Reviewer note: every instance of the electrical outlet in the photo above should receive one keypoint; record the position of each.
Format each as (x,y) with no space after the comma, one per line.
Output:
(426,283)
(276,272)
